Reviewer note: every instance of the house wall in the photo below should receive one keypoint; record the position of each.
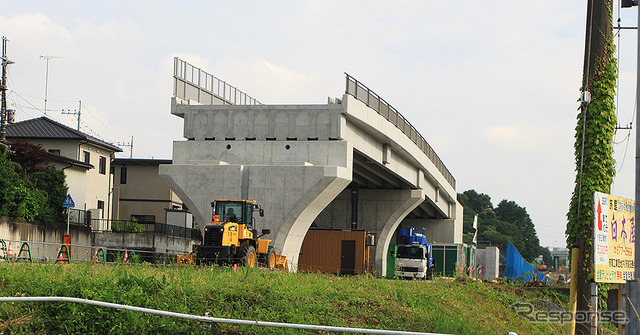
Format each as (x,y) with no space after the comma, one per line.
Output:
(145,193)
(97,184)
(67,148)
(76,181)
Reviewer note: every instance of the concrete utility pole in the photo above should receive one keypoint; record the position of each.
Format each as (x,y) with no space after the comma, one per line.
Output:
(633,287)
(76,113)
(599,28)
(3,88)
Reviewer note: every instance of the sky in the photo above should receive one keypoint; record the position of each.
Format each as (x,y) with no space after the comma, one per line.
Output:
(491,85)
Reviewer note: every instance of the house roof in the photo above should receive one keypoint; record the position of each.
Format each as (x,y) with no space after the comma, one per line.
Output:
(45,128)
(67,160)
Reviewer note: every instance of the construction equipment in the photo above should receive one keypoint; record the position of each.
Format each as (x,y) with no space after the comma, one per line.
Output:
(413,258)
(232,239)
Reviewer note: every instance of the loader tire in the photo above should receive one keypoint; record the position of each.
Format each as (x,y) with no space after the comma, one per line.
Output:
(268,260)
(247,256)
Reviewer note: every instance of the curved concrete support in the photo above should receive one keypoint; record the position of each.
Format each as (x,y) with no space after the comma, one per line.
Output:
(381,212)
(320,185)
(292,195)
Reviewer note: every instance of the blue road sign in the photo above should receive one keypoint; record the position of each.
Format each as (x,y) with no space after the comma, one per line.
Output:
(68,202)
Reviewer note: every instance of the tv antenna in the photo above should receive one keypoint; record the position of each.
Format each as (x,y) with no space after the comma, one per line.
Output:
(46,80)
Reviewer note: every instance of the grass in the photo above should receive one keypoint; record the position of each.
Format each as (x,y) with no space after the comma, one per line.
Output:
(441,306)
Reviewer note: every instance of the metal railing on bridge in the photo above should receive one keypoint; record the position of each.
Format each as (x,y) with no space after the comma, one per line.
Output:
(375,102)
(193,83)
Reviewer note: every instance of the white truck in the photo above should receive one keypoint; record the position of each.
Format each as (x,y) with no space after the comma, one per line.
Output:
(413,256)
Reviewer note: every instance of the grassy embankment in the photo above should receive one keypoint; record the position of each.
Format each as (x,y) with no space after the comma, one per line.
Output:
(442,306)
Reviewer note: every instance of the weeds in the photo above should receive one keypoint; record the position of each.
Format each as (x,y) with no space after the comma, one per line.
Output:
(443,306)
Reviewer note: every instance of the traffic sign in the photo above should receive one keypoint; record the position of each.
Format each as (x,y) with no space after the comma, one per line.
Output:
(68,202)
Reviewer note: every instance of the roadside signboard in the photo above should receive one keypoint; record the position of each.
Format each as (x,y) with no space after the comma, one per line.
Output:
(68,202)
(614,238)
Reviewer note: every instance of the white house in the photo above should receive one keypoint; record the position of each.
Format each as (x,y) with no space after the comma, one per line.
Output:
(86,161)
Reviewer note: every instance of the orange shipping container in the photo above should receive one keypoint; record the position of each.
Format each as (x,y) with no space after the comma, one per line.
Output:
(334,251)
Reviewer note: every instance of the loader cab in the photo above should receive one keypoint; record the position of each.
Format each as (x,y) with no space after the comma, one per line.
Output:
(238,211)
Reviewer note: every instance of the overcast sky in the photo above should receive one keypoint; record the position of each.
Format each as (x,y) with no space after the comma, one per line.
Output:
(491,85)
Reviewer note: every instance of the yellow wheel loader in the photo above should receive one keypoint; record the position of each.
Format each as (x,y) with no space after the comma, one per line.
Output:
(232,239)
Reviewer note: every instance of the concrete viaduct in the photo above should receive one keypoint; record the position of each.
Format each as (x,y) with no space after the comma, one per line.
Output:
(353,163)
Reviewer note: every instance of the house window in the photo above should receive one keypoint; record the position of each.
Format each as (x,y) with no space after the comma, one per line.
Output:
(54,151)
(86,157)
(123,175)
(103,165)
(147,219)
(101,207)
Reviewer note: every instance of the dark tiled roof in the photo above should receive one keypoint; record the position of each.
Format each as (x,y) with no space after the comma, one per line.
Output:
(67,160)
(140,161)
(45,128)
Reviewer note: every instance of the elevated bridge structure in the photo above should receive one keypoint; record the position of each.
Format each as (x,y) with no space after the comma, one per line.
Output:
(353,164)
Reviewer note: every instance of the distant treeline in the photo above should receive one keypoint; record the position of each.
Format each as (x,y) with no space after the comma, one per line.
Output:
(506,222)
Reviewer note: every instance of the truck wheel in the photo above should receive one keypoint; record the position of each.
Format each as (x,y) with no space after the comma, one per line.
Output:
(268,260)
(247,256)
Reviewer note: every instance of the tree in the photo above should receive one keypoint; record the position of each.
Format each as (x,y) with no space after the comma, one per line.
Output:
(34,191)
(507,222)
(509,211)
(473,204)
(31,157)
(546,256)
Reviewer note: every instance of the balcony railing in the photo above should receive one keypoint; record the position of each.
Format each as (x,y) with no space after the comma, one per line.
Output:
(375,102)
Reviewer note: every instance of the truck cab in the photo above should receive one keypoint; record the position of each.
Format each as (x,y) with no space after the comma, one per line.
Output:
(413,256)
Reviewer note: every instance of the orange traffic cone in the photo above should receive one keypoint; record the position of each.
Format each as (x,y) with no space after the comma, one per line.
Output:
(126,257)
(10,253)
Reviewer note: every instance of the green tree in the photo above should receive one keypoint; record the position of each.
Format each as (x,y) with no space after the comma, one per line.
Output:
(506,222)
(510,211)
(473,204)
(35,192)
(546,256)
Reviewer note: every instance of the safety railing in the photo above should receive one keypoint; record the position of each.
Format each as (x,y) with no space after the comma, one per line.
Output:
(375,102)
(133,227)
(193,83)
(47,252)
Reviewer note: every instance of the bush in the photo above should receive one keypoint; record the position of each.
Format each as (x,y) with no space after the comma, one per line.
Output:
(132,226)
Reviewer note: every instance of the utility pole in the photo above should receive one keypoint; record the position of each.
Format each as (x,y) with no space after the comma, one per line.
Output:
(78,112)
(3,88)
(633,286)
(130,145)
(46,80)
(599,28)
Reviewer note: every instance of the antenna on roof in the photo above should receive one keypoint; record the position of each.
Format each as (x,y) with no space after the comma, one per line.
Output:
(46,80)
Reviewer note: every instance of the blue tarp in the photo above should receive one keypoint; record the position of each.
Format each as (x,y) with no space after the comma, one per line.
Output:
(515,267)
